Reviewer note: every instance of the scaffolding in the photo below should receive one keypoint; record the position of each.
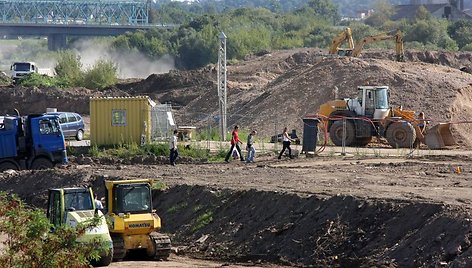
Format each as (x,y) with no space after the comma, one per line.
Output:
(163,122)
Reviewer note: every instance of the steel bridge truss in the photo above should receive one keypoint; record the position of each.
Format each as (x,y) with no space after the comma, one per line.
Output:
(108,12)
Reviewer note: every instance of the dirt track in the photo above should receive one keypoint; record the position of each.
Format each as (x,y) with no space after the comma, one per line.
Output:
(260,209)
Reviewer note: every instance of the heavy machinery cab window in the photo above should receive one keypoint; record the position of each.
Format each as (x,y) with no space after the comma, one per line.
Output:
(22,67)
(78,201)
(47,127)
(381,98)
(132,199)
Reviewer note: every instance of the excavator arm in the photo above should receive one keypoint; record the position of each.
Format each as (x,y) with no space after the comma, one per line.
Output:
(342,37)
(394,35)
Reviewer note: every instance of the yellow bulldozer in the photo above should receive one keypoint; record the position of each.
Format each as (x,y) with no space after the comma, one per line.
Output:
(133,223)
(354,121)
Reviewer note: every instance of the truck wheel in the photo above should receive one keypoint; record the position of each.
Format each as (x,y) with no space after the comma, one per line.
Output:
(400,135)
(42,163)
(336,133)
(80,135)
(104,260)
(8,165)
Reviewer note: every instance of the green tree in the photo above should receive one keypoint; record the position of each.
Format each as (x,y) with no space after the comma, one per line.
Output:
(383,10)
(461,32)
(325,9)
(69,69)
(29,242)
(422,13)
(104,73)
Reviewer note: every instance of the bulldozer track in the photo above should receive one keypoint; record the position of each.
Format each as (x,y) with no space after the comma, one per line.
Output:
(119,251)
(162,245)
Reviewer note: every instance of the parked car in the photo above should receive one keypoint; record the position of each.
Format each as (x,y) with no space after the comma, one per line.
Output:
(72,124)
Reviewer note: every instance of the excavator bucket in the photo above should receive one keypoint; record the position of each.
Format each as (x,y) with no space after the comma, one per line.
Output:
(439,136)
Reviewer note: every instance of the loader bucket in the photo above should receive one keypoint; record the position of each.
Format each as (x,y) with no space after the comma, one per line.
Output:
(439,136)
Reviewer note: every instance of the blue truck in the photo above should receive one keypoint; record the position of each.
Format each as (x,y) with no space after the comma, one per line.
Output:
(31,142)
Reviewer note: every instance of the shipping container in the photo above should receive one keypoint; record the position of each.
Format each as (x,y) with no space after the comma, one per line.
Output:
(120,120)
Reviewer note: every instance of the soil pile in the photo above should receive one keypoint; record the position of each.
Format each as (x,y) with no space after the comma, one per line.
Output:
(279,88)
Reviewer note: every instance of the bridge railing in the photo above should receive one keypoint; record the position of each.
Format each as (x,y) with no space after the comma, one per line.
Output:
(109,12)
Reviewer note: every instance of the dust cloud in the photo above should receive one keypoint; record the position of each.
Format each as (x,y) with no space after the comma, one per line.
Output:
(131,65)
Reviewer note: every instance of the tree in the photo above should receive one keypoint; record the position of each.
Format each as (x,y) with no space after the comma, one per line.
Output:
(69,68)
(325,9)
(422,13)
(383,10)
(461,32)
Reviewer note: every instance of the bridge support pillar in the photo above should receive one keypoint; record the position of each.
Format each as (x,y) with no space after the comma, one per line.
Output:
(57,41)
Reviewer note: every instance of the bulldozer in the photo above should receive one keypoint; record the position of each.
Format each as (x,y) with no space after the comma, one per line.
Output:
(393,35)
(354,121)
(72,206)
(342,37)
(133,223)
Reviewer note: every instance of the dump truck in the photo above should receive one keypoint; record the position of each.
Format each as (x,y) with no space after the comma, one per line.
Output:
(134,224)
(31,142)
(73,206)
(354,121)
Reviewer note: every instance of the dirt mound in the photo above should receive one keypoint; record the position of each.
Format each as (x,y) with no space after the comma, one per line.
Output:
(340,231)
(36,100)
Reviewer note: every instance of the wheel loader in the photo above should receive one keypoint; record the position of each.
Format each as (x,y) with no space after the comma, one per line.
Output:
(354,121)
(72,206)
(133,223)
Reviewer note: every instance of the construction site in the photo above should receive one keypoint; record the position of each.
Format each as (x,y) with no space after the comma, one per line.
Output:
(385,200)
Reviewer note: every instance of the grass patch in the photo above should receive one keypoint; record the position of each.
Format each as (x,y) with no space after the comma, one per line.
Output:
(203,220)
(177,208)
(159,186)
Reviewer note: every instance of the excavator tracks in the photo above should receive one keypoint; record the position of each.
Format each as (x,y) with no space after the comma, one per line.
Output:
(119,251)
(162,245)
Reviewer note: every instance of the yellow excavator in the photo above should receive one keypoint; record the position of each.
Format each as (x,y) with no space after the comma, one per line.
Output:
(342,37)
(393,35)
(354,121)
(133,223)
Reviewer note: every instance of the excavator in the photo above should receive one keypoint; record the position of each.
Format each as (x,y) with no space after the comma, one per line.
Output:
(342,37)
(393,35)
(133,223)
(354,121)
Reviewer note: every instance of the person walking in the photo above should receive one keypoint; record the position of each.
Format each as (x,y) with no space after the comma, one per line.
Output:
(286,144)
(173,148)
(98,202)
(234,144)
(251,151)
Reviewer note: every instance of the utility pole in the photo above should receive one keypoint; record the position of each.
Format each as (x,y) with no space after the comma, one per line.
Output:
(222,83)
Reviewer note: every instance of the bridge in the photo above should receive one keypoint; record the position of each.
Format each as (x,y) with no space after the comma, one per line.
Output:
(58,19)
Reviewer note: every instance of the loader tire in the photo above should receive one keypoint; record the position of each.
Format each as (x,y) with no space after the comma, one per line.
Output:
(362,142)
(336,133)
(401,135)
(119,251)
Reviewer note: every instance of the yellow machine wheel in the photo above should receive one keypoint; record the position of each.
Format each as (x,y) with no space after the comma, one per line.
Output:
(400,135)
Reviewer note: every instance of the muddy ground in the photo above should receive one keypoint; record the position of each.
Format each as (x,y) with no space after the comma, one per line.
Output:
(328,211)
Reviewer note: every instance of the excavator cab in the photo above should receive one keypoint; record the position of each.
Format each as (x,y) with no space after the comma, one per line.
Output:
(134,224)
(344,36)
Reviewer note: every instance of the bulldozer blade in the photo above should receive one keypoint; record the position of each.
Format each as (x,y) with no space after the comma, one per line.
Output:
(439,136)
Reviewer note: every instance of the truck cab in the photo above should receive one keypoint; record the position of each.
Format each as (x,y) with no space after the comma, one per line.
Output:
(31,142)
(21,69)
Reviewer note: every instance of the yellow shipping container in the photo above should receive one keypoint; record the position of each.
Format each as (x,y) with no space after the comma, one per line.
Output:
(120,120)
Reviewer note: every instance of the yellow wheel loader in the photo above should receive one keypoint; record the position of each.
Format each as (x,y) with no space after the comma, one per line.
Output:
(354,121)
(133,223)
(73,206)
